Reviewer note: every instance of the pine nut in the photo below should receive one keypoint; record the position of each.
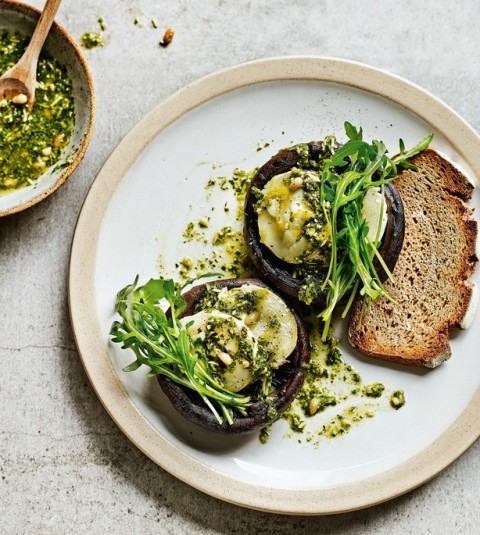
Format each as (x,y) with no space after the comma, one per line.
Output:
(21,98)
(225,358)
(313,406)
(58,140)
(252,318)
(296,183)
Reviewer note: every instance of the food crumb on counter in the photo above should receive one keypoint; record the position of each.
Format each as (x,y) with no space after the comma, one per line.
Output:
(102,24)
(167,37)
(91,40)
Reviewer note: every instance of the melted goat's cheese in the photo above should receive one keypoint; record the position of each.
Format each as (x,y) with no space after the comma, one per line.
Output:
(374,211)
(281,223)
(225,337)
(271,323)
(244,329)
(285,212)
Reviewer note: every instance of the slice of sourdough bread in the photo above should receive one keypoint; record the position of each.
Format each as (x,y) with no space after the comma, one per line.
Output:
(431,290)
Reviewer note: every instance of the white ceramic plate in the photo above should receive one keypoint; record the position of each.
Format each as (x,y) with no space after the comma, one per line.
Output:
(137,208)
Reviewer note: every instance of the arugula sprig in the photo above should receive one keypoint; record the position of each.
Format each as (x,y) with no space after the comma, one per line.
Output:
(353,169)
(163,344)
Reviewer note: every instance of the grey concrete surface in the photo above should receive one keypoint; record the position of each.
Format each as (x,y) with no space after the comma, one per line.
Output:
(65,466)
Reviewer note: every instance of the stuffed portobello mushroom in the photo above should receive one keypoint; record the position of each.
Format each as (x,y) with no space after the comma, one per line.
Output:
(288,227)
(232,354)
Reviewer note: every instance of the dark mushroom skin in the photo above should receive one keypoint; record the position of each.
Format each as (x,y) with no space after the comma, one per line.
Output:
(276,271)
(287,380)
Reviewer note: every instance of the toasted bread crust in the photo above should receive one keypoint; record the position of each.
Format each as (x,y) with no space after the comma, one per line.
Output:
(431,287)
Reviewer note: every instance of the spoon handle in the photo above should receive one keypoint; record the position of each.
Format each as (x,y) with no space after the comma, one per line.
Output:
(40,34)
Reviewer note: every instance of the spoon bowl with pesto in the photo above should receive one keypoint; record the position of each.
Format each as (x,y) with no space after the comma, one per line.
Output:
(19,82)
(42,146)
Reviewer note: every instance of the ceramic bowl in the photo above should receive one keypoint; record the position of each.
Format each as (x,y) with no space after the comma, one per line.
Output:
(16,16)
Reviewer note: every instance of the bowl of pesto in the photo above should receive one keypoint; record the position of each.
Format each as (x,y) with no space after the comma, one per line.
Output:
(40,148)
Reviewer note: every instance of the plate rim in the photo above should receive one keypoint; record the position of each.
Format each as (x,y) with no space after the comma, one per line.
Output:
(90,343)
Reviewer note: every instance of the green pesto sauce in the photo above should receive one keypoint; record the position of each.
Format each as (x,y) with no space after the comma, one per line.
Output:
(397,399)
(244,304)
(192,233)
(235,302)
(102,24)
(264,435)
(229,253)
(223,236)
(374,390)
(33,141)
(185,266)
(333,398)
(238,183)
(327,147)
(229,258)
(91,40)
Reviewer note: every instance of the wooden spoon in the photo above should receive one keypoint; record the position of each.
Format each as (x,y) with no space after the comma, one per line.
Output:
(18,83)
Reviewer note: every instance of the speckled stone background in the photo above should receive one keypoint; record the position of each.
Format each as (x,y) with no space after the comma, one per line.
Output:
(65,466)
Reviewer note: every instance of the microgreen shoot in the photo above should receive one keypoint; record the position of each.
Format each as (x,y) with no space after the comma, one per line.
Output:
(163,344)
(352,170)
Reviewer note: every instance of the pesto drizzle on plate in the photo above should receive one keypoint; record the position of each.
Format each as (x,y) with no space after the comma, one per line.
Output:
(33,141)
